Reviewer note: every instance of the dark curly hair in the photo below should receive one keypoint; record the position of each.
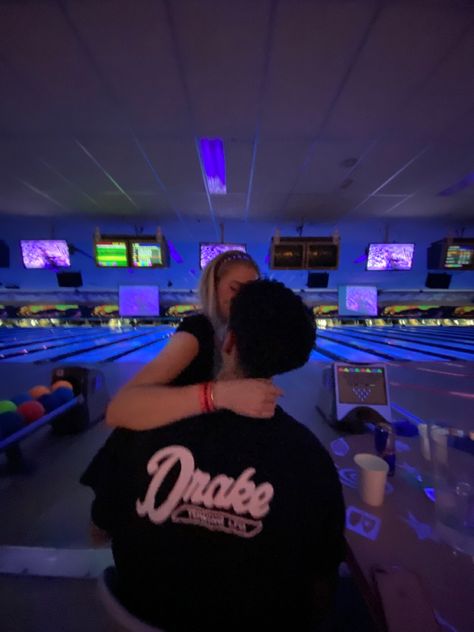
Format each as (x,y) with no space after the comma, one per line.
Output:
(274,330)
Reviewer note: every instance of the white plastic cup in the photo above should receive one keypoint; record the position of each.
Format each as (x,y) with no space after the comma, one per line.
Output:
(372,478)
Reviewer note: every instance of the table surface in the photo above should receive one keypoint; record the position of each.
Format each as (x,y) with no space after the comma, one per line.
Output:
(402,531)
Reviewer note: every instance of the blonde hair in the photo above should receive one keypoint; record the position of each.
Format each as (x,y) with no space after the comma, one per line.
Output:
(213,273)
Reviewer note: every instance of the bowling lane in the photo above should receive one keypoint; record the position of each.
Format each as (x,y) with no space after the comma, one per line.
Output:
(69,353)
(439,342)
(436,335)
(29,347)
(122,351)
(342,352)
(145,354)
(386,351)
(30,336)
(317,356)
(393,346)
(450,331)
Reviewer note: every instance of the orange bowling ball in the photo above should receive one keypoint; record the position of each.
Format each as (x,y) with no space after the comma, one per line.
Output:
(38,391)
(61,384)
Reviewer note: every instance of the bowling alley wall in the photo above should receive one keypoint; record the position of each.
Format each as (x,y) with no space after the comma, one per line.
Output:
(183,271)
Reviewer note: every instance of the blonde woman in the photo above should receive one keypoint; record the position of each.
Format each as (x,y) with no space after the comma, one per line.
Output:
(169,388)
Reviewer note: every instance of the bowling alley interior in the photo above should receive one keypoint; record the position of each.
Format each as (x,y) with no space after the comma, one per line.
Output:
(330,140)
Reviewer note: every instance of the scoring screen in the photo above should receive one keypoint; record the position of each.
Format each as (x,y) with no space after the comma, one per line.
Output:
(362,385)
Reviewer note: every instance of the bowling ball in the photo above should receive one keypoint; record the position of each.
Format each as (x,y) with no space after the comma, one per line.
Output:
(21,398)
(31,411)
(49,401)
(37,391)
(61,384)
(10,422)
(63,394)
(7,406)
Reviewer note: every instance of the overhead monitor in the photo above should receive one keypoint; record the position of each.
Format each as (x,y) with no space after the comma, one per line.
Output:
(459,255)
(210,250)
(146,254)
(390,257)
(357,300)
(322,256)
(111,253)
(43,254)
(287,256)
(139,301)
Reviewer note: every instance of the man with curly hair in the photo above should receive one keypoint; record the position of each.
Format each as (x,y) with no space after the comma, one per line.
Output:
(225,522)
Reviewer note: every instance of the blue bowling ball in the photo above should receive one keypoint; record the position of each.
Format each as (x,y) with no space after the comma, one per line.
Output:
(21,398)
(63,394)
(49,401)
(10,422)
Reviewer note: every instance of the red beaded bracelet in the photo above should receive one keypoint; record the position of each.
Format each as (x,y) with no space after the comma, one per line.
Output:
(210,397)
(203,398)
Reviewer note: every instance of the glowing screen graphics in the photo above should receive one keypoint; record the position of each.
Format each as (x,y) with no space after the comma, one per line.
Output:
(361,385)
(459,257)
(146,254)
(139,300)
(357,300)
(208,251)
(111,254)
(287,256)
(44,254)
(322,256)
(390,256)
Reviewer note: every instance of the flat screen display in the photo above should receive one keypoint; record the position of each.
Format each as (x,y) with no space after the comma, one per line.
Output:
(357,300)
(361,385)
(287,256)
(111,253)
(459,256)
(390,256)
(208,251)
(139,300)
(146,254)
(45,254)
(322,256)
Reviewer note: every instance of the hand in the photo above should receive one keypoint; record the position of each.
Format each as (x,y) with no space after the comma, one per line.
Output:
(249,397)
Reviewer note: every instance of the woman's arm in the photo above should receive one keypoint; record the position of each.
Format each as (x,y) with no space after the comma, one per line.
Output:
(147,401)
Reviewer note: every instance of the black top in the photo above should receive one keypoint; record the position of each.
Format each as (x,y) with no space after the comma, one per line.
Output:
(221,522)
(201,368)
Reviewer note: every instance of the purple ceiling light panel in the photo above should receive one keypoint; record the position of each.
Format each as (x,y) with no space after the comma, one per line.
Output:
(213,161)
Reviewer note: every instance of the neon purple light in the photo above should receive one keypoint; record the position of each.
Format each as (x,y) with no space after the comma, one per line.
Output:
(467,181)
(174,253)
(212,156)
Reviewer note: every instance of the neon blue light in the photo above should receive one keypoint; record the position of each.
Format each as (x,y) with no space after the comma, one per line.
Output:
(363,523)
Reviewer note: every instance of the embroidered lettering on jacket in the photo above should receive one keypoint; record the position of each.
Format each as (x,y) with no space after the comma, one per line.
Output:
(195,497)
